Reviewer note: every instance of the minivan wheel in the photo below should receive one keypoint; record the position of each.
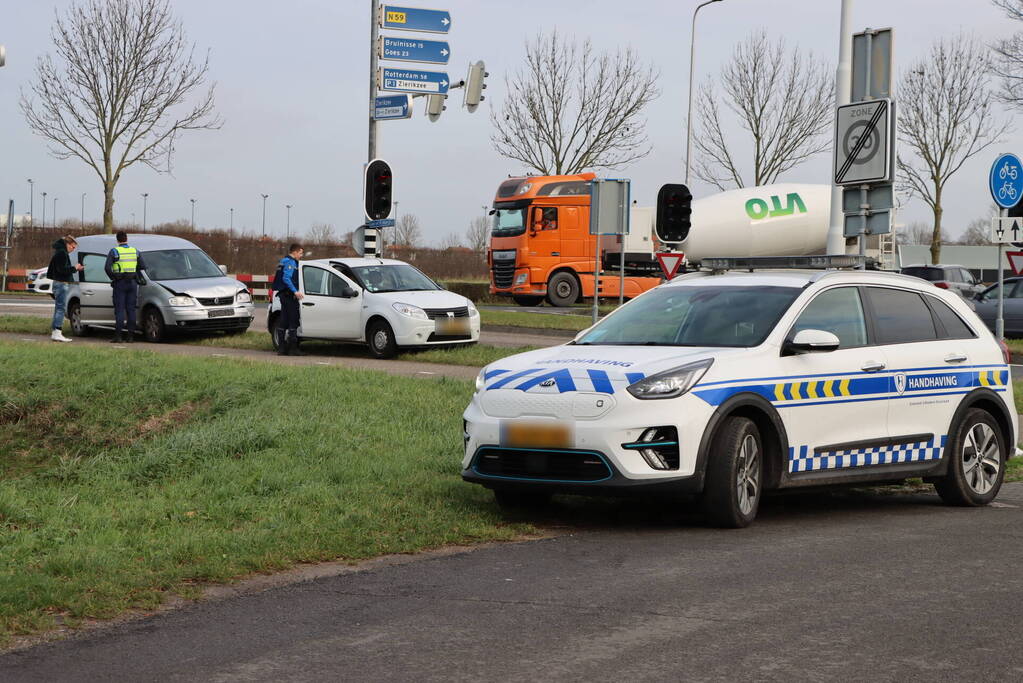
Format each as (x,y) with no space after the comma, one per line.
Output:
(976,465)
(734,482)
(153,326)
(381,339)
(78,328)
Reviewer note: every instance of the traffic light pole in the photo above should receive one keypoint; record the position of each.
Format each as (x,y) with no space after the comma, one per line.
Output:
(369,243)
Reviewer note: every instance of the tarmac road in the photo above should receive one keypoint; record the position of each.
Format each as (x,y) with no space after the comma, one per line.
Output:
(845,586)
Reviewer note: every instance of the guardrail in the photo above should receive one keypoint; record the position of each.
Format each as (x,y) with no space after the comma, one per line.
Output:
(258,285)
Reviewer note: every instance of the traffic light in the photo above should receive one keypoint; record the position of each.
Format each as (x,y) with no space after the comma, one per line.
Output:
(435,105)
(674,210)
(475,82)
(378,189)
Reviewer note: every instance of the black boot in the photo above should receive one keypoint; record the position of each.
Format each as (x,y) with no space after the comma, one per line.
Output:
(116,339)
(293,349)
(129,337)
(282,342)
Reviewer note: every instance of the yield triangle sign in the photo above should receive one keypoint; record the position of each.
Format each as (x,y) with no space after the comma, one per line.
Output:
(1015,261)
(670,263)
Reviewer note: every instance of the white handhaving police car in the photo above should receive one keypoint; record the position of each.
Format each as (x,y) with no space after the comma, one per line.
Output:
(725,384)
(384,303)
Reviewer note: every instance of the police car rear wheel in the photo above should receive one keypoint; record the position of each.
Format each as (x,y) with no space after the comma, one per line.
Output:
(734,478)
(381,339)
(976,465)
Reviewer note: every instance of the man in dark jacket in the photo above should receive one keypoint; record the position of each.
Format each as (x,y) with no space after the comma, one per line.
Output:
(285,285)
(122,267)
(61,272)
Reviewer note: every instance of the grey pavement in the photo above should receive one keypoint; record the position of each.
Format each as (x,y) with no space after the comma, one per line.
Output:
(846,586)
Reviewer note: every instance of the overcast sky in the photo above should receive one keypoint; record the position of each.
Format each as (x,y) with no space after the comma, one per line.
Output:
(292,87)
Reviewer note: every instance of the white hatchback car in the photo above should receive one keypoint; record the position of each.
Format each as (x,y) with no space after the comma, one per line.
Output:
(724,384)
(36,281)
(383,303)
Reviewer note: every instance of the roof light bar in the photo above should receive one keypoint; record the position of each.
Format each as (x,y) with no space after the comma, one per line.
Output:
(818,262)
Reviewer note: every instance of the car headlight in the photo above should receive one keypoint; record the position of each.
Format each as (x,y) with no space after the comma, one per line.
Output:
(521,278)
(671,383)
(473,313)
(181,301)
(481,380)
(243,297)
(411,311)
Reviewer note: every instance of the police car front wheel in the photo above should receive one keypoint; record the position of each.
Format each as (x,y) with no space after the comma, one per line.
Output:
(734,481)
(976,464)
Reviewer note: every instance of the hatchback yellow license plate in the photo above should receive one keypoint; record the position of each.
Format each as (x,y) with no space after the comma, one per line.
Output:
(536,435)
(452,326)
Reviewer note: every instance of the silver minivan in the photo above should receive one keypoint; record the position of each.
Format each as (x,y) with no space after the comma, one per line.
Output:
(181,290)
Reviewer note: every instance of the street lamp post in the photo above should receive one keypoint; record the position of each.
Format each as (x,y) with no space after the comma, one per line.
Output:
(232,219)
(689,113)
(145,200)
(55,212)
(193,214)
(287,228)
(264,196)
(44,209)
(82,219)
(31,202)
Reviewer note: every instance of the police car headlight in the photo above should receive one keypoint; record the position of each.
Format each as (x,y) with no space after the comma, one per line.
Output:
(473,313)
(243,298)
(181,301)
(671,383)
(481,380)
(411,311)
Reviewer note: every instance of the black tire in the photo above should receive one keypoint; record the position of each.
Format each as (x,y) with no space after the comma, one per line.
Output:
(154,330)
(728,475)
(523,300)
(973,478)
(276,333)
(380,338)
(521,499)
(74,313)
(562,289)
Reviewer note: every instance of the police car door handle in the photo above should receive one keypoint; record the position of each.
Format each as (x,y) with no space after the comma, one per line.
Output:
(872,366)
(955,358)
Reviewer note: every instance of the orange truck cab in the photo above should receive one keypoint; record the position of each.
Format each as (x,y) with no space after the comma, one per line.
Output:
(541,246)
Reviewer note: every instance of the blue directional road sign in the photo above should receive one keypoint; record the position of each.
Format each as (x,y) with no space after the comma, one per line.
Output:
(416,19)
(412,80)
(414,50)
(392,107)
(380,223)
(1006,180)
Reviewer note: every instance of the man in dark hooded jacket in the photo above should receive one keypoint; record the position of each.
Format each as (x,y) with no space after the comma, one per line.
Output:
(61,271)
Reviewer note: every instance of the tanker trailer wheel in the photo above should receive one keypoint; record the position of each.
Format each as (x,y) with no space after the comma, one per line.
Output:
(562,289)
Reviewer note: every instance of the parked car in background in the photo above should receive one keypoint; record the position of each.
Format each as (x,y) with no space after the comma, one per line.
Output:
(947,276)
(38,282)
(181,290)
(383,303)
(986,306)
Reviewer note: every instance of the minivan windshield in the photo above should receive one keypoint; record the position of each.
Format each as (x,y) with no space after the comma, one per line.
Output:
(509,222)
(179,264)
(698,315)
(396,278)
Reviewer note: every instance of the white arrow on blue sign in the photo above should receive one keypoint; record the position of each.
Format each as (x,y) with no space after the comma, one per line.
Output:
(413,80)
(392,107)
(415,19)
(1006,180)
(414,50)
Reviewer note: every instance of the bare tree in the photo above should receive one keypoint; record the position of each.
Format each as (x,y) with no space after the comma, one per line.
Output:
(1008,63)
(407,231)
(571,109)
(783,98)
(945,117)
(477,236)
(452,240)
(919,232)
(111,98)
(322,233)
(977,232)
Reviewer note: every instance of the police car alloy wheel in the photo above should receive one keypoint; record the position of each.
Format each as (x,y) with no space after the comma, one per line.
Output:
(732,493)
(977,464)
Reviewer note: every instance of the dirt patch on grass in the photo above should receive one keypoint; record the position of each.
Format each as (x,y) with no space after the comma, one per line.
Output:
(157,424)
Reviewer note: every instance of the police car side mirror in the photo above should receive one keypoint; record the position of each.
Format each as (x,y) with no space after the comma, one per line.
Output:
(811,341)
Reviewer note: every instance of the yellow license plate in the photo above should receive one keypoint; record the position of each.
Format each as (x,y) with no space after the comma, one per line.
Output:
(452,326)
(536,435)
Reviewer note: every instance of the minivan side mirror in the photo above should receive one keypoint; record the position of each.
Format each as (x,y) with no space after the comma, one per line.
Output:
(811,341)
(223,269)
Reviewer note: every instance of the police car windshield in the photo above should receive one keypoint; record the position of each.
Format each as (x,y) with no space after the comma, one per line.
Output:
(399,278)
(180,264)
(700,315)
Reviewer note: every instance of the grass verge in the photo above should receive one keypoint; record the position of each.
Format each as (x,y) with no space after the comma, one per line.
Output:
(476,355)
(547,321)
(117,491)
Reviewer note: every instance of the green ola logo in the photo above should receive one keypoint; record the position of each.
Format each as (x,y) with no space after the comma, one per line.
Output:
(758,209)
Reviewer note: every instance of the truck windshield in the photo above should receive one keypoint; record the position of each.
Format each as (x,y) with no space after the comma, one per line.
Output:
(509,222)
(179,264)
(401,278)
(695,316)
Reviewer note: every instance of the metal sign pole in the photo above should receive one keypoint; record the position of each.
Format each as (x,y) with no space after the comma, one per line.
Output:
(621,273)
(1000,322)
(8,230)
(596,275)
(374,34)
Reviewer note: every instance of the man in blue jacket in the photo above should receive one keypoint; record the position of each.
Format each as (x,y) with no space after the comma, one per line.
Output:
(286,285)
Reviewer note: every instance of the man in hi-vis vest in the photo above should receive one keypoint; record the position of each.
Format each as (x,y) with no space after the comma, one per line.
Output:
(122,267)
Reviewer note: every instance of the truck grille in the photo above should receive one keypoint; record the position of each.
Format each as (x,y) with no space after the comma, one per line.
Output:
(549,465)
(215,300)
(503,268)
(434,313)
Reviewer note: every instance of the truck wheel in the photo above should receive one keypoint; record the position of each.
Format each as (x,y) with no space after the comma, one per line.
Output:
(976,461)
(523,300)
(153,328)
(381,339)
(74,313)
(734,481)
(562,289)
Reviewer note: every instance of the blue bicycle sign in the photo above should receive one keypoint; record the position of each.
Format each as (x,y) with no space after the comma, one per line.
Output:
(1006,180)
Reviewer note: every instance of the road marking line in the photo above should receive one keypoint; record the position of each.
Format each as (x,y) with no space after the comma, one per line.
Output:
(219,355)
(1002,505)
(15,303)
(320,362)
(424,372)
(27,339)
